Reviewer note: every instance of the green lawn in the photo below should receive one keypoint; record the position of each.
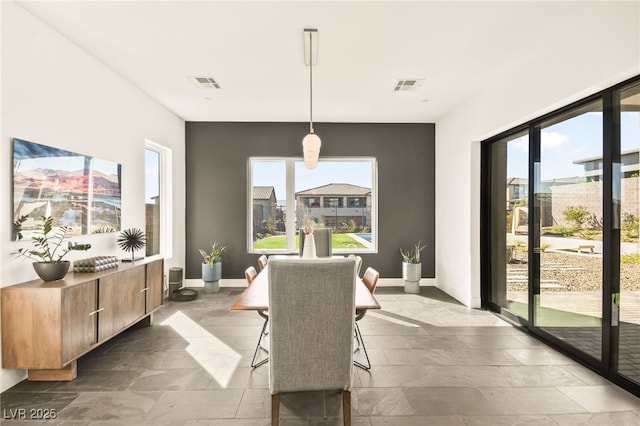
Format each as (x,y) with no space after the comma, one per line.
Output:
(549,317)
(339,241)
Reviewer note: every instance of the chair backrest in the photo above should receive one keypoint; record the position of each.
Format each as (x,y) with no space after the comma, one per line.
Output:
(311,308)
(262,261)
(322,238)
(358,263)
(250,274)
(370,279)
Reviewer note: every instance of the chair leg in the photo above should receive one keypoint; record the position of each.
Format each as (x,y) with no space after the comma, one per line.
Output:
(366,366)
(258,347)
(275,409)
(357,339)
(346,407)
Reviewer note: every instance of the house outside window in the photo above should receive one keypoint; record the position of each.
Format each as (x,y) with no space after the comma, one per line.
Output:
(293,194)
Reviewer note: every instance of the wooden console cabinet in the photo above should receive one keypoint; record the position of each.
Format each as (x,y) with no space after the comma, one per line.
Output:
(47,326)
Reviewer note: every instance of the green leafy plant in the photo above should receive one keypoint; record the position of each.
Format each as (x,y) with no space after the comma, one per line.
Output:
(544,247)
(576,215)
(589,234)
(131,239)
(630,226)
(412,255)
(630,258)
(560,230)
(214,255)
(48,245)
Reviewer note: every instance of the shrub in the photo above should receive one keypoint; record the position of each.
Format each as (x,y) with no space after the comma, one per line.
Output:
(577,215)
(630,258)
(630,225)
(518,243)
(594,222)
(590,234)
(271,225)
(560,230)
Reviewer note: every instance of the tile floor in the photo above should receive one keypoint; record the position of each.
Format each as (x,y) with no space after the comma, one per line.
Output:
(436,362)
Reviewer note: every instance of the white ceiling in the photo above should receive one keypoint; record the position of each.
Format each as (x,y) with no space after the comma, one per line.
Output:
(254,50)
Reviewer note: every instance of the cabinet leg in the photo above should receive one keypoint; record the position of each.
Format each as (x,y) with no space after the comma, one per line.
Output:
(65,374)
(145,322)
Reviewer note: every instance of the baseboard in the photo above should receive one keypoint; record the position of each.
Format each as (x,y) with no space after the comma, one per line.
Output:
(225,282)
(399,282)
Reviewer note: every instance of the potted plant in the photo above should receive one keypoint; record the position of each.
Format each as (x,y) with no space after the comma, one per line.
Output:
(412,268)
(131,239)
(212,267)
(49,249)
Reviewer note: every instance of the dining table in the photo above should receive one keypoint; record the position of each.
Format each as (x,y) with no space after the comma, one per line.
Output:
(256,296)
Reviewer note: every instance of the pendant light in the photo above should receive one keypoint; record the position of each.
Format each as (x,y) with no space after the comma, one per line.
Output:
(311,143)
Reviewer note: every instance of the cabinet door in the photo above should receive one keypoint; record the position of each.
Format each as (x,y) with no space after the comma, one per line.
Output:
(79,319)
(155,284)
(121,300)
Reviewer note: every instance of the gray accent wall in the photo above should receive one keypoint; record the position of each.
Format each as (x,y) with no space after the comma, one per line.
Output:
(217,156)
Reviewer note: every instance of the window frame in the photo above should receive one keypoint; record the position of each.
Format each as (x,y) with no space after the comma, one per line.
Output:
(166,197)
(290,209)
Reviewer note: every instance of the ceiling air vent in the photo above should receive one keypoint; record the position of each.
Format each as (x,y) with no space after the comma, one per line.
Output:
(204,82)
(406,85)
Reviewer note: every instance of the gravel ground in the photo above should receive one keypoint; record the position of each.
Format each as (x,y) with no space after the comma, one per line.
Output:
(576,273)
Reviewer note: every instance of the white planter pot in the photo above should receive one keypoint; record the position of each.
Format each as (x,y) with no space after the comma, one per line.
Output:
(211,286)
(211,273)
(411,271)
(411,274)
(412,287)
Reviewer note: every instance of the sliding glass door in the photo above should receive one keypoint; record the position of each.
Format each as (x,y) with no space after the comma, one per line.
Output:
(509,224)
(628,192)
(561,230)
(568,192)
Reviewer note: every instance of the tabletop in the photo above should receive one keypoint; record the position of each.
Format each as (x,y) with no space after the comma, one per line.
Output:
(256,296)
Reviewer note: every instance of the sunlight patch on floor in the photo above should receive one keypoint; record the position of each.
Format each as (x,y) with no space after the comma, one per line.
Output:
(211,353)
(390,319)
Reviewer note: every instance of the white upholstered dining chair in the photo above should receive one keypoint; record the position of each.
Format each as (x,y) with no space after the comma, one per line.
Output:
(311,322)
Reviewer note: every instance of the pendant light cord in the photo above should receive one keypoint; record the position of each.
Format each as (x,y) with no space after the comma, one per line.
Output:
(310,82)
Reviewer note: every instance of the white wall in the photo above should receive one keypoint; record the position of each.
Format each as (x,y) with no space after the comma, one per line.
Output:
(56,94)
(607,52)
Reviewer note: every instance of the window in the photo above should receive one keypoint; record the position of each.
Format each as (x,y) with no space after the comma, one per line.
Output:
(310,201)
(356,201)
(338,193)
(158,229)
(332,202)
